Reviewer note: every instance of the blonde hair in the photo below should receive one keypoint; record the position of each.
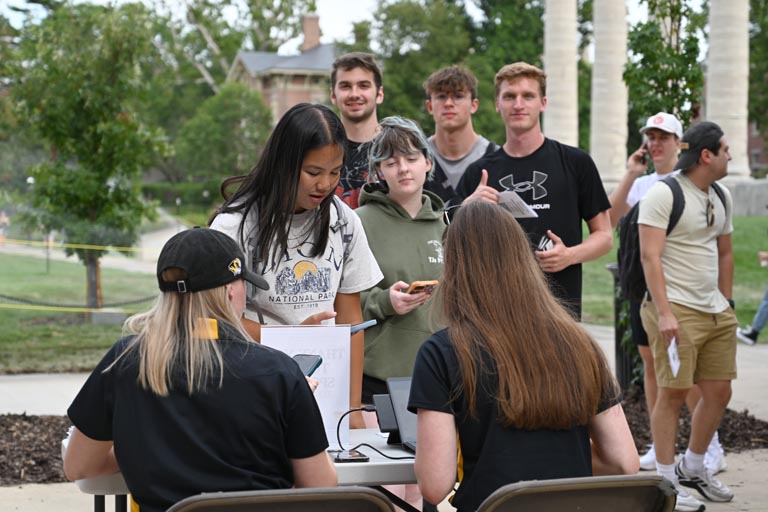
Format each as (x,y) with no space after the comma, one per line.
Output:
(517,70)
(171,338)
(500,313)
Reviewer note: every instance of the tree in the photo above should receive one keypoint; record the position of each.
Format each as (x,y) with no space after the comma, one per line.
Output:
(415,39)
(663,72)
(225,135)
(511,31)
(78,89)
(758,64)
(211,32)
(361,34)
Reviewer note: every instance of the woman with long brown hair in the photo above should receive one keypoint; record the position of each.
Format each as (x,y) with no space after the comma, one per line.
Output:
(526,389)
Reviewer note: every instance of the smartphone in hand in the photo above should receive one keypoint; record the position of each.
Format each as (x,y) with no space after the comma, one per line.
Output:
(545,244)
(308,363)
(422,286)
(646,155)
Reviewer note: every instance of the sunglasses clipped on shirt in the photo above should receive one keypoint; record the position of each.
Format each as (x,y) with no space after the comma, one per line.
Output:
(710,212)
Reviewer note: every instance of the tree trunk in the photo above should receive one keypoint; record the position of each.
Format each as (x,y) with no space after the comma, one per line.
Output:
(561,117)
(728,77)
(93,282)
(608,119)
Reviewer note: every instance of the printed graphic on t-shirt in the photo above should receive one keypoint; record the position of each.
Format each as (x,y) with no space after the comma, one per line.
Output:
(536,186)
(354,173)
(438,247)
(302,278)
(306,281)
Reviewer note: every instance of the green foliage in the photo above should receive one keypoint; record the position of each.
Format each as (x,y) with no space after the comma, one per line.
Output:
(272,22)
(415,39)
(585,103)
(512,31)
(78,89)
(758,64)
(663,72)
(361,33)
(195,49)
(225,135)
(202,194)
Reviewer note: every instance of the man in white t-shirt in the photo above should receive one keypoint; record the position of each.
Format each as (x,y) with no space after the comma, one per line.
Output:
(689,313)
(661,144)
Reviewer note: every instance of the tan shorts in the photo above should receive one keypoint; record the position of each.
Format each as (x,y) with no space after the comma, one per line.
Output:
(707,345)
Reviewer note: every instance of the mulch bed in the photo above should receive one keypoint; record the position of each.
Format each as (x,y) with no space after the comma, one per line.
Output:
(30,446)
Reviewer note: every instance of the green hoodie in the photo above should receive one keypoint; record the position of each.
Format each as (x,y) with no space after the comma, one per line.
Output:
(407,249)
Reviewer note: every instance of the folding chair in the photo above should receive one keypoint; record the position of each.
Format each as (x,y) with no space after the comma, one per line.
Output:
(322,499)
(627,493)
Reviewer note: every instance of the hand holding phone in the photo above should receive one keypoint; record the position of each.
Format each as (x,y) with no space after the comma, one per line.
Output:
(646,156)
(308,363)
(545,244)
(422,286)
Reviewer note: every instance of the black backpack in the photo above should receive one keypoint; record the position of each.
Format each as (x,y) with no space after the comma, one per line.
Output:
(631,277)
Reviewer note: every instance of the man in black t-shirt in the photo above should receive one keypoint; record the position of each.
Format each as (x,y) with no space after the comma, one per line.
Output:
(356,90)
(559,182)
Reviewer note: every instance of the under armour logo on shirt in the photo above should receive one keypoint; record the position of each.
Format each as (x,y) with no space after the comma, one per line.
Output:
(508,182)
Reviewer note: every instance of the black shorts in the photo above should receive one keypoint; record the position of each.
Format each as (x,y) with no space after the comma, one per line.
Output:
(373,386)
(638,333)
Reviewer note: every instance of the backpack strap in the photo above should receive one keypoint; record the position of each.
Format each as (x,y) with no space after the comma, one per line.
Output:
(678,202)
(342,224)
(719,191)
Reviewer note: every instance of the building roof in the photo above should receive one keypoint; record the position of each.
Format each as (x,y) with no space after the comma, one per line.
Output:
(317,60)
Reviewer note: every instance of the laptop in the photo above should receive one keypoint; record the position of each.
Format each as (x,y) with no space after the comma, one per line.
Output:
(399,390)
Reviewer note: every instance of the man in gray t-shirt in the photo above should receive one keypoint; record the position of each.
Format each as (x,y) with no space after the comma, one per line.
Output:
(452,99)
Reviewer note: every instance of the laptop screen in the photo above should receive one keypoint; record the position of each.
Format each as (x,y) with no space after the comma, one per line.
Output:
(399,390)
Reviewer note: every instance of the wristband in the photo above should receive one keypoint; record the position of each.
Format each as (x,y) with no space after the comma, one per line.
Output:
(732,304)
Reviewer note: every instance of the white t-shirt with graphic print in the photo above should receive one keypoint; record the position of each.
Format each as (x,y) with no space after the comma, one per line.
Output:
(300,285)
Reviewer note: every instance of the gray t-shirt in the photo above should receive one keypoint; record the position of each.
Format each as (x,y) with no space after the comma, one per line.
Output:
(300,285)
(454,169)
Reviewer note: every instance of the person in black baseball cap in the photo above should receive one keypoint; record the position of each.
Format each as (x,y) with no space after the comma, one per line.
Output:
(701,136)
(188,402)
(208,257)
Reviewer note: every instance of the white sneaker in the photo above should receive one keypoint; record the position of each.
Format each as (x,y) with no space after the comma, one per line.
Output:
(704,482)
(685,502)
(648,459)
(714,459)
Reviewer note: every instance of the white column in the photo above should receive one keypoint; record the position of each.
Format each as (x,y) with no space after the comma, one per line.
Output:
(608,120)
(727,82)
(561,117)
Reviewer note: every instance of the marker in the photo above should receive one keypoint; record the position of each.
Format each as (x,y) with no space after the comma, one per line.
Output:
(359,327)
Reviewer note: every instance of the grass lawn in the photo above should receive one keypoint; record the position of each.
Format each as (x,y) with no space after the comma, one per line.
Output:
(48,341)
(750,235)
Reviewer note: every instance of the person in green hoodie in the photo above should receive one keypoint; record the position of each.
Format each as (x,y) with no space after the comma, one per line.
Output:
(404,226)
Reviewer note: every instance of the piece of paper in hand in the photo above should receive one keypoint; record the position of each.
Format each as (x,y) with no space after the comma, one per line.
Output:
(519,208)
(332,343)
(674,357)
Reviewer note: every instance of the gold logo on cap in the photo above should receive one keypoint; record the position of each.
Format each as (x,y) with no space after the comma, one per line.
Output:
(235,267)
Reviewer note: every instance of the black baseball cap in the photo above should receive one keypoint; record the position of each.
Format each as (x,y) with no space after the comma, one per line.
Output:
(210,259)
(704,135)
